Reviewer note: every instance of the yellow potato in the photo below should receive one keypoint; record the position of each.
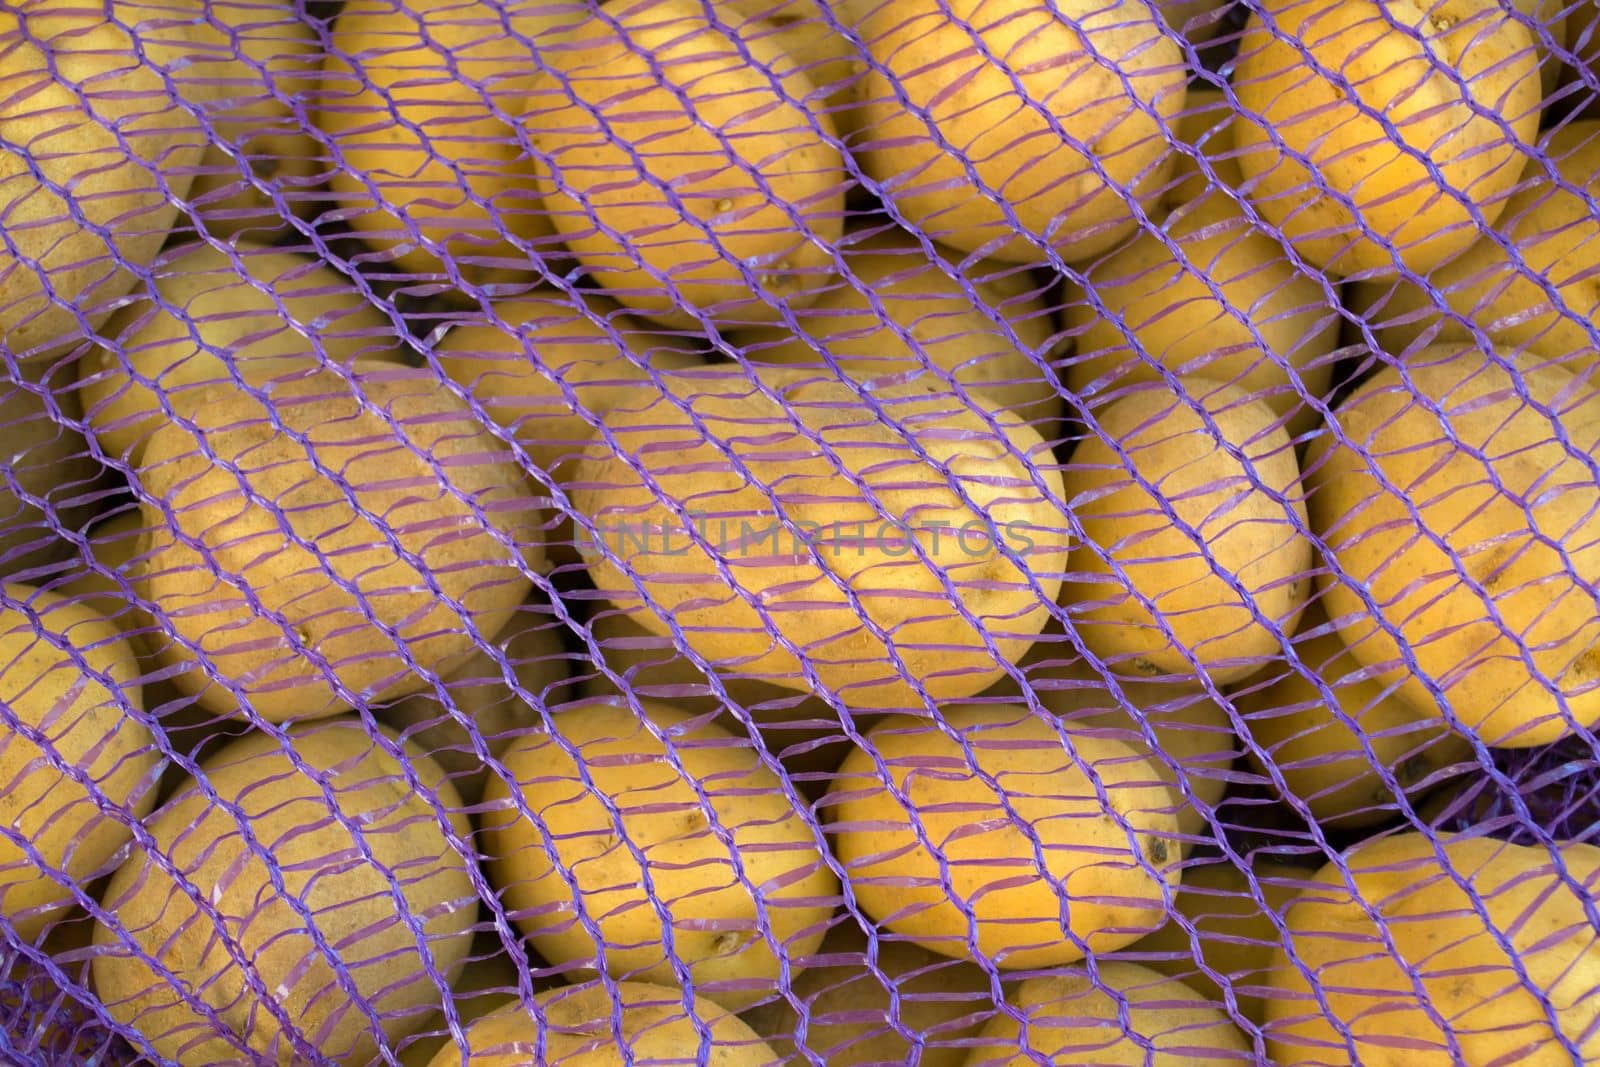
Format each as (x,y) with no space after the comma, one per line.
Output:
(1235,932)
(575,1025)
(420,468)
(94,754)
(97,121)
(1078,1017)
(518,376)
(851,1019)
(1509,541)
(48,461)
(422,103)
(952,333)
(1323,762)
(754,183)
(1190,728)
(288,999)
(1168,307)
(279,59)
(489,983)
(1110,874)
(716,931)
(533,645)
(1092,67)
(1457,82)
(1443,951)
(1555,233)
(867,549)
(1249,535)
(228,308)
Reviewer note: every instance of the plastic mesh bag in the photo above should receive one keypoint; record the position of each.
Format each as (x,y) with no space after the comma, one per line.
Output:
(759,531)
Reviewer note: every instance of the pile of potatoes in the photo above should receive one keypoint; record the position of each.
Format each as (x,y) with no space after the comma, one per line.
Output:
(776,531)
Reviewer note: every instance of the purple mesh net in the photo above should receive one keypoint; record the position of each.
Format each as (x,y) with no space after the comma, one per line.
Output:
(766,531)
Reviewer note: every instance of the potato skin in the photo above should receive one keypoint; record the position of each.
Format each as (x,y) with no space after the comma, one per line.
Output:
(1075,61)
(1441,943)
(577,1030)
(1250,535)
(229,308)
(89,101)
(986,858)
(517,374)
(385,460)
(746,163)
(850,1018)
(1071,1013)
(1554,232)
(1451,630)
(1322,760)
(716,931)
(463,180)
(952,333)
(85,726)
(1465,96)
(351,901)
(1236,934)
(866,549)
(1169,309)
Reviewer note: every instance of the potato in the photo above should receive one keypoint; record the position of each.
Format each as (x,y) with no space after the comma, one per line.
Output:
(47,463)
(279,59)
(1553,230)
(716,930)
(489,983)
(736,178)
(1457,83)
(422,104)
(59,663)
(1110,874)
(1324,763)
(577,1031)
(1446,962)
(533,645)
(852,1018)
(289,1003)
(1190,728)
(518,377)
(1425,477)
(1099,70)
(952,333)
(270,314)
(1168,307)
(86,108)
(286,625)
(1078,1017)
(1008,504)
(1243,517)
(1235,928)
